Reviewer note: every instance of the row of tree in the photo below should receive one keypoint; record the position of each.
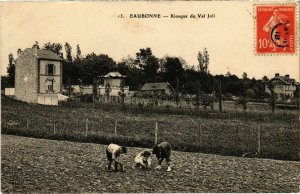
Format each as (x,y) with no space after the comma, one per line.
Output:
(146,67)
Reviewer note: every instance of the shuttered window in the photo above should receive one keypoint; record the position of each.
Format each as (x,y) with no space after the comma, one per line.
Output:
(50,85)
(50,69)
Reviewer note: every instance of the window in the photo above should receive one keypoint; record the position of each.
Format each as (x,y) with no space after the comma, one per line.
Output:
(49,85)
(50,69)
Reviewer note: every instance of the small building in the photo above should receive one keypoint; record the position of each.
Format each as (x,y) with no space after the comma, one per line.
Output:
(158,88)
(9,91)
(38,76)
(86,89)
(113,82)
(283,85)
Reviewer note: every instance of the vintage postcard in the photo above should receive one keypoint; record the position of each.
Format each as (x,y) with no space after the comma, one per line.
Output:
(150,96)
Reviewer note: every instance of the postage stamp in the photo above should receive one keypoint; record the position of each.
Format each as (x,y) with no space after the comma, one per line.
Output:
(275,29)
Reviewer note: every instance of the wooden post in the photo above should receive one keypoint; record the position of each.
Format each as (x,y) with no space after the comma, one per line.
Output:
(86,126)
(54,126)
(156,131)
(116,127)
(199,132)
(258,139)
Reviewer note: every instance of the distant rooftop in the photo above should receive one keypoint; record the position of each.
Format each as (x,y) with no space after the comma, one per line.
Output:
(45,54)
(156,86)
(114,74)
(285,79)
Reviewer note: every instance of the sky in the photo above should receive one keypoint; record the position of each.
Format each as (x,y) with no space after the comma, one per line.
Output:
(229,36)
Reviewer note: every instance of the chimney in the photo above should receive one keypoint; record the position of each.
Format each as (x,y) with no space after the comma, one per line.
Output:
(34,49)
(287,76)
(276,74)
(19,52)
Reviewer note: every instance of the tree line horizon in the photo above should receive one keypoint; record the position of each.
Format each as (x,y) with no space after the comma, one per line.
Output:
(145,68)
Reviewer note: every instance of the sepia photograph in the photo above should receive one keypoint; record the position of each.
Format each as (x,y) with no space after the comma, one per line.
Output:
(150,96)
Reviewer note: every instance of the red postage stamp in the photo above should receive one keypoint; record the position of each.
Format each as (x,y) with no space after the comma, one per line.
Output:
(275,29)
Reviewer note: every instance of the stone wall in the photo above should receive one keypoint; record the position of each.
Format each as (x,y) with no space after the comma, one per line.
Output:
(26,78)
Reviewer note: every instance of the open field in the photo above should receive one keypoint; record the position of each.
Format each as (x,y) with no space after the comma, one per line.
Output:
(276,135)
(38,165)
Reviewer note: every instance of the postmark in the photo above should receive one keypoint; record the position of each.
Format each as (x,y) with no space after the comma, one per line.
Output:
(275,29)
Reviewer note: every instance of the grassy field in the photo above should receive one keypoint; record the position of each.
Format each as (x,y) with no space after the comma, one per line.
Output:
(47,166)
(200,131)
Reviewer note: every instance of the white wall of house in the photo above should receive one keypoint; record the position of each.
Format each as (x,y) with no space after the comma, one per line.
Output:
(45,79)
(283,89)
(9,91)
(114,91)
(43,64)
(48,99)
(113,82)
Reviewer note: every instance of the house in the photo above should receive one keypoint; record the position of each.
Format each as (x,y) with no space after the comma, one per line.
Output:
(283,85)
(38,76)
(9,91)
(86,89)
(158,88)
(113,82)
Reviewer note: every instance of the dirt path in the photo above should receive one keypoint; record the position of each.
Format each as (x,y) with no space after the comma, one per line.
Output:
(36,165)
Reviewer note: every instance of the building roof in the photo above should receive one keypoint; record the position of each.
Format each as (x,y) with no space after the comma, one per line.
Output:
(156,86)
(45,54)
(285,80)
(113,75)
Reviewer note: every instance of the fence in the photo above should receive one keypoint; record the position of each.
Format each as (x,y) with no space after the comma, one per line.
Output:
(254,139)
(264,135)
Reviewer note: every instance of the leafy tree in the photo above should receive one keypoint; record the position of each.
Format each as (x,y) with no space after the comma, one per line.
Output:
(203,61)
(244,76)
(95,88)
(273,96)
(4,82)
(148,62)
(174,70)
(69,86)
(208,100)
(242,100)
(54,47)
(250,93)
(265,79)
(68,50)
(218,89)
(122,94)
(197,86)
(78,52)
(129,62)
(11,71)
(297,92)
(107,91)
(94,66)
(206,81)
(206,59)
(188,81)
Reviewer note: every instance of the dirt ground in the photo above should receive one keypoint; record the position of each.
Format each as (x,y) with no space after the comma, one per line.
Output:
(38,165)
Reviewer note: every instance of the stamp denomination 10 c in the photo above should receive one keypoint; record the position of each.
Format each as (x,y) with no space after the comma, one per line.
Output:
(275,29)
